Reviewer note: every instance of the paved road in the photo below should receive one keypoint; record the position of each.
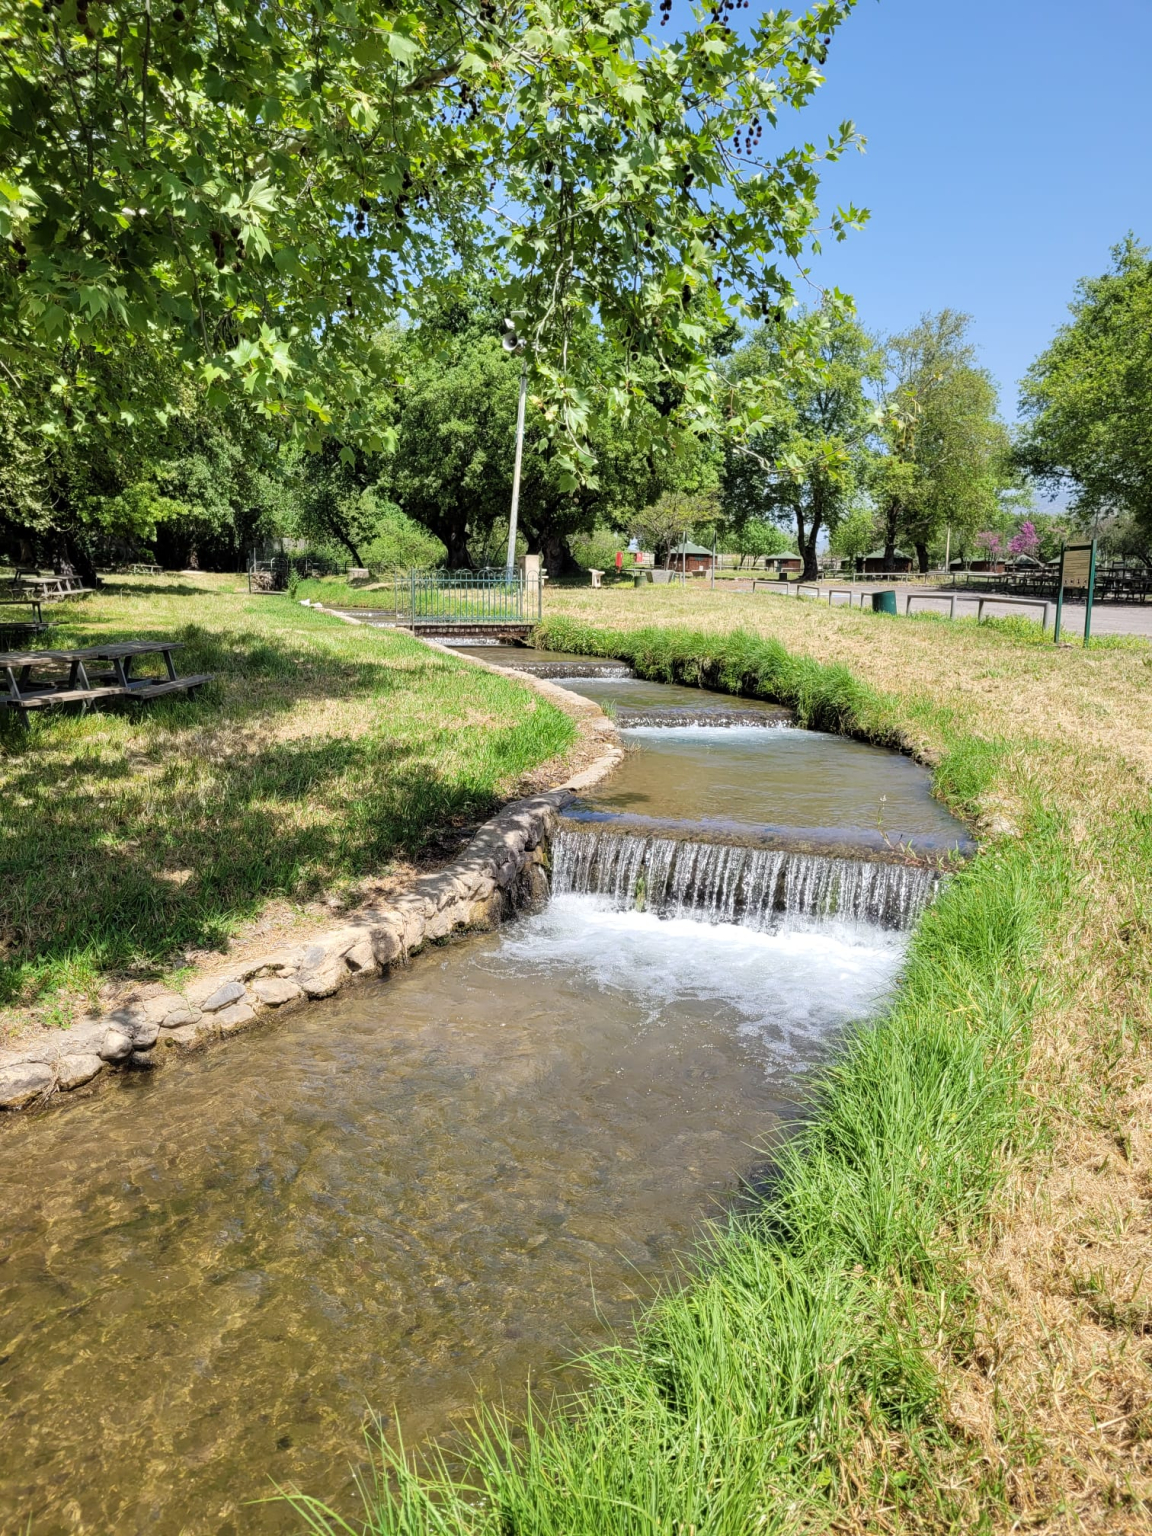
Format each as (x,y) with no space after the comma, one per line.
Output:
(1107,618)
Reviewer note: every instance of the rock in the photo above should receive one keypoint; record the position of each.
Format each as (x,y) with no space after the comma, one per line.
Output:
(361,957)
(142,1061)
(26,1081)
(143,1036)
(313,957)
(183,1035)
(274,962)
(441,923)
(234,1016)
(156,1009)
(75,1071)
(324,982)
(487,912)
(116,1046)
(230,992)
(274,991)
(179,1017)
(387,945)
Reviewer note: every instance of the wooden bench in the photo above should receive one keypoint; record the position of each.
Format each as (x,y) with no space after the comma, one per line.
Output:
(83,684)
(14,631)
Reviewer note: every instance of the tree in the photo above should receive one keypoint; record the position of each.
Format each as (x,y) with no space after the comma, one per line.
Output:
(1087,398)
(1025,541)
(756,540)
(804,463)
(455,446)
(948,455)
(670,520)
(854,535)
(261,188)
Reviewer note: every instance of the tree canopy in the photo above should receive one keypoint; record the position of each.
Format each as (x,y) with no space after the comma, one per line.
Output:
(804,465)
(263,188)
(947,454)
(1087,398)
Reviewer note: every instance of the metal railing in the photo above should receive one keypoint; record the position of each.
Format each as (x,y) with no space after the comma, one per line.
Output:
(468,597)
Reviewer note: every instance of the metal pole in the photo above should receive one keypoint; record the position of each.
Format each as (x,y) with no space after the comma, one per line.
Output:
(510,564)
(712,583)
(1091,591)
(948,548)
(1059,599)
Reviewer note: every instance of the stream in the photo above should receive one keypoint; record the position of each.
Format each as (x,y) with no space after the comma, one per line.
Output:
(442,1183)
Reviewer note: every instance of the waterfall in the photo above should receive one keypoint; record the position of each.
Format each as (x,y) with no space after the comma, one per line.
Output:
(628,718)
(723,883)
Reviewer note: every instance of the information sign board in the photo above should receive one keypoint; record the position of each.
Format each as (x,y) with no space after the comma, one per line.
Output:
(1077,574)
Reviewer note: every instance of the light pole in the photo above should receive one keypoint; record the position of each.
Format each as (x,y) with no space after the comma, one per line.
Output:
(512,342)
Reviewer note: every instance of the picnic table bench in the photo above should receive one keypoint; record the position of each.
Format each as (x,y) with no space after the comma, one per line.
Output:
(18,631)
(50,588)
(73,679)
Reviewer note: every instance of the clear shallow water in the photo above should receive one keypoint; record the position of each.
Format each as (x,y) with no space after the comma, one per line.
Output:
(430,1188)
(743,777)
(434,1186)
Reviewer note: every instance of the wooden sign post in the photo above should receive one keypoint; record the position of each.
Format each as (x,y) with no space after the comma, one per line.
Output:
(1077,572)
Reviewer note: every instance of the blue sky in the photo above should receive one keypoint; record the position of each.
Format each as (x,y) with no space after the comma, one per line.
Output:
(1009,147)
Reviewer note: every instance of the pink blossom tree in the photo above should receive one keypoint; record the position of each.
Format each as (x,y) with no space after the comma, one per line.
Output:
(990,542)
(1025,542)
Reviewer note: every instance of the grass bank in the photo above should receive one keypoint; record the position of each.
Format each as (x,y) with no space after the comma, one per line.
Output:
(939,1318)
(322,754)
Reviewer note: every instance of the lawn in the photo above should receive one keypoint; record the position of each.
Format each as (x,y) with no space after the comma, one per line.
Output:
(321,755)
(940,1320)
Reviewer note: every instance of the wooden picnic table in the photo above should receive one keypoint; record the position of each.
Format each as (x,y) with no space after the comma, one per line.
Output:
(73,680)
(51,588)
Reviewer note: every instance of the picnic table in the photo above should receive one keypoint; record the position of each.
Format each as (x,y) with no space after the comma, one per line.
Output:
(18,631)
(50,588)
(76,676)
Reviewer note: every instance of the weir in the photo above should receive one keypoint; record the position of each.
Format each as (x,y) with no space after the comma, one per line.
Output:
(721,883)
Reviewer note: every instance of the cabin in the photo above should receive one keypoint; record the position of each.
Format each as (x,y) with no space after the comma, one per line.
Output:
(874,563)
(692,559)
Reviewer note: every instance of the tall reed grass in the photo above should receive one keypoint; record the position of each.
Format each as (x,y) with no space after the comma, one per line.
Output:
(807,1330)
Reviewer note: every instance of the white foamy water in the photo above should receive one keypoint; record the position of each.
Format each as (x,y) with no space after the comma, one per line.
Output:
(792,988)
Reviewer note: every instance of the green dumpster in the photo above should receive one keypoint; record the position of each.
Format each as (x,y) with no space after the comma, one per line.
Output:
(884,602)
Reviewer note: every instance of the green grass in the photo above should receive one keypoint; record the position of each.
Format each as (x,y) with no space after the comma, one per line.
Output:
(807,1333)
(337,592)
(321,753)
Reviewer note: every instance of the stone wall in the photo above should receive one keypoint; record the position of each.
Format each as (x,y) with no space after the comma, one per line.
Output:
(503,870)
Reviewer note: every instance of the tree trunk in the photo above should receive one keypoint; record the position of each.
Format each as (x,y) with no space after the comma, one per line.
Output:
(891,522)
(922,558)
(77,556)
(811,571)
(558,559)
(801,541)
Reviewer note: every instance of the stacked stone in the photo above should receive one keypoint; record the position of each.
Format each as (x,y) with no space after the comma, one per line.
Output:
(502,871)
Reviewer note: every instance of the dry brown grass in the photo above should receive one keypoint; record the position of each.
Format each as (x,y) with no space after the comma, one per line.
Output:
(1045,1349)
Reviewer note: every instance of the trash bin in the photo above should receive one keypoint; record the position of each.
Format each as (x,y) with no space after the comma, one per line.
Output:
(641,578)
(884,602)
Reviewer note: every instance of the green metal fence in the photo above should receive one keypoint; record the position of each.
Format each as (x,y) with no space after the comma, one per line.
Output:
(468,597)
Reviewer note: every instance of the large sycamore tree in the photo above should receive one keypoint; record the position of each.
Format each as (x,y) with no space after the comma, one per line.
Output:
(256,187)
(947,456)
(1087,399)
(803,465)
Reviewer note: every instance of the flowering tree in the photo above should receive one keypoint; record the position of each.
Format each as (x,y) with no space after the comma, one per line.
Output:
(1026,541)
(991,543)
